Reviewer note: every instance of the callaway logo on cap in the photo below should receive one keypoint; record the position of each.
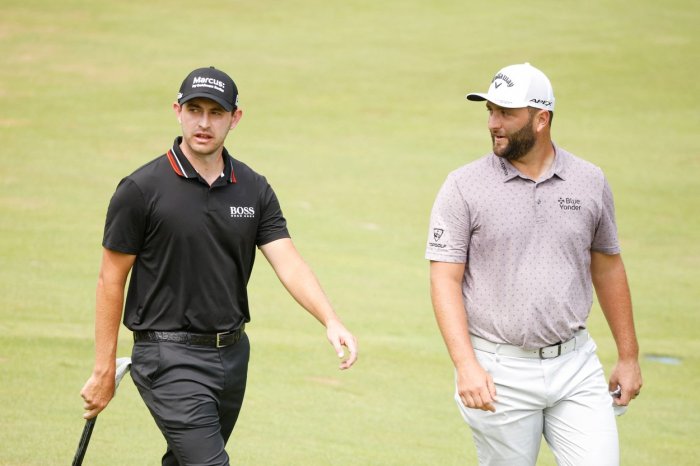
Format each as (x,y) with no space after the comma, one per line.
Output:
(518,86)
(209,83)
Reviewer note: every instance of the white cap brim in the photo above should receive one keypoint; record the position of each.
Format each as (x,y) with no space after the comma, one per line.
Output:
(480,97)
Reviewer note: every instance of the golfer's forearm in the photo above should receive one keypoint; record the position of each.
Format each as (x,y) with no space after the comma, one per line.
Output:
(306,290)
(108,311)
(109,302)
(451,317)
(452,322)
(298,279)
(612,290)
(621,323)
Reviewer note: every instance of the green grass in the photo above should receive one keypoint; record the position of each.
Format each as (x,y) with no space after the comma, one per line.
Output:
(355,112)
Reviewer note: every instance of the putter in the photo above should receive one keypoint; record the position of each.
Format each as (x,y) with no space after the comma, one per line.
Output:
(123,365)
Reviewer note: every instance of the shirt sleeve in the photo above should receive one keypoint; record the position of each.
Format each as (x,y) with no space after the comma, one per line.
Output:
(605,239)
(450,226)
(273,225)
(125,225)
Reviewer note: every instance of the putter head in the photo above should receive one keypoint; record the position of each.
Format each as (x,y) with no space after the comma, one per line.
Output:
(123,365)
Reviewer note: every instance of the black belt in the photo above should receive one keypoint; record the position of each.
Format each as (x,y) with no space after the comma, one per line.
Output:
(215,340)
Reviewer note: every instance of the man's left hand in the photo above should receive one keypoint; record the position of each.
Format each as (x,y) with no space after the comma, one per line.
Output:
(627,375)
(339,336)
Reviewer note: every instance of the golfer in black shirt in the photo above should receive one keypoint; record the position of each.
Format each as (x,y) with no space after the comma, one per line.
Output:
(186,226)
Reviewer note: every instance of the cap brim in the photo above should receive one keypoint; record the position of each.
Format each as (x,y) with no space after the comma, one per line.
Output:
(476,97)
(227,106)
(480,97)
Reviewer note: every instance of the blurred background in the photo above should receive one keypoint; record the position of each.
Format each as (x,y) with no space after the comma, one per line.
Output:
(355,113)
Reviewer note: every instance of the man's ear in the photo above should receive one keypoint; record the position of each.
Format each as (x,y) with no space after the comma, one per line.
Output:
(542,120)
(237,115)
(177,108)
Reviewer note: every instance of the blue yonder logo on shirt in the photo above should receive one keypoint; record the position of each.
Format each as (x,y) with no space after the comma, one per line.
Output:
(569,203)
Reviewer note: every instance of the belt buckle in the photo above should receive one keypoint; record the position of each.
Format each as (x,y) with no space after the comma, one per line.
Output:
(542,356)
(218,339)
(226,334)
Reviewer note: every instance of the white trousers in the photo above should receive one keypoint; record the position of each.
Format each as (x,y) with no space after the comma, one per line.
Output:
(566,399)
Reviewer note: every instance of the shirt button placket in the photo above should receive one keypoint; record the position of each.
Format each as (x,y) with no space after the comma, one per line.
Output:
(539,210)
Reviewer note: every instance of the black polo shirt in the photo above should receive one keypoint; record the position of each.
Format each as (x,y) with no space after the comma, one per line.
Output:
(195,244)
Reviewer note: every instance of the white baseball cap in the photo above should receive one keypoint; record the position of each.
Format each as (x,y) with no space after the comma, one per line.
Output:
(518,86)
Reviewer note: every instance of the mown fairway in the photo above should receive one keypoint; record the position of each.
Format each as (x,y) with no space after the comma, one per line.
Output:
(355,112)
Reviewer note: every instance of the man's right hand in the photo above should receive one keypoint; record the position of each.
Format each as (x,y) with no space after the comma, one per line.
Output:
(476,388)
(97,393)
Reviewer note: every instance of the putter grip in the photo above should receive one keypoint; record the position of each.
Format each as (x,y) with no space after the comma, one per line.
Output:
(123,365)
(84,440)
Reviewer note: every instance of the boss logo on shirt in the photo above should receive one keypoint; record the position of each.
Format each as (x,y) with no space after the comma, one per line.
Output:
(568,203)
(242,212)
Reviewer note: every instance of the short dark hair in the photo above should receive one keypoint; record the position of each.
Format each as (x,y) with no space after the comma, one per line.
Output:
(533,110)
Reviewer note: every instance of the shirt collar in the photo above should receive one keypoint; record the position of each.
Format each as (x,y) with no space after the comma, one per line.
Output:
(183,167)
(508,171)
(561,159)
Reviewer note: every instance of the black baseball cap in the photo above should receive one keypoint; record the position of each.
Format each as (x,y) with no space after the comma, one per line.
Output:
(209,83)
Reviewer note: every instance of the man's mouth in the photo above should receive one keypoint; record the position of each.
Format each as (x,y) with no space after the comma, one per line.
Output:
(203,136)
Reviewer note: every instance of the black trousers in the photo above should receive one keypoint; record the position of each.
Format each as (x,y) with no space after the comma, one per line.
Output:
(194,394)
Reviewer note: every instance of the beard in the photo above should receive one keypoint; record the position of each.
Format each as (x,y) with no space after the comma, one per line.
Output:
(519,142)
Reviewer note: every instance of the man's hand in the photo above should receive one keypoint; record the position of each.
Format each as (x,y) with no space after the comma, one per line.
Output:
(97,393)
(339,336)
(628,375)
(476,388)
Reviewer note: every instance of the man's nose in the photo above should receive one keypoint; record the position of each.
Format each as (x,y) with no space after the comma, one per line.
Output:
(494,121)
(204,120)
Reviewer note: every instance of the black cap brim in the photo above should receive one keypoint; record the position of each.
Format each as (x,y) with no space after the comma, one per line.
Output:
(477,97)
(205,95)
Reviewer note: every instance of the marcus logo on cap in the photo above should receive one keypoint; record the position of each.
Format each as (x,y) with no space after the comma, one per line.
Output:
(518,86)
(209,83)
